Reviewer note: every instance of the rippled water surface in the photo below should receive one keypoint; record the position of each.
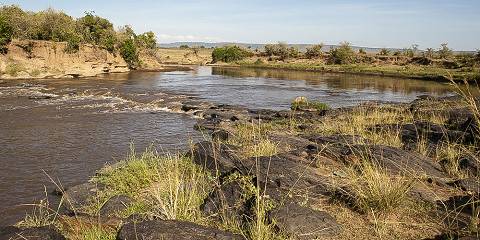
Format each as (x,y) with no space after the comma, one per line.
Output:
(85,123)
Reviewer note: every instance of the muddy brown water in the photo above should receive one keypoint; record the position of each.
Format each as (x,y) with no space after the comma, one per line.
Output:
(86,123)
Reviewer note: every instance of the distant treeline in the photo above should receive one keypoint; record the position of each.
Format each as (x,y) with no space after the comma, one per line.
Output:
(53,25)
(344,53)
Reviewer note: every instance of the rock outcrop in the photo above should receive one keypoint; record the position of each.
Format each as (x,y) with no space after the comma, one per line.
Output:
(44,59)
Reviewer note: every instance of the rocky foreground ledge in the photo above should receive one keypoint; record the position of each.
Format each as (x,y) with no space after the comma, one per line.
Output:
(375,171)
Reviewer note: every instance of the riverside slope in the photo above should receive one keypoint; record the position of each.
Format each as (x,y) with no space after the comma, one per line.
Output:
(28,59)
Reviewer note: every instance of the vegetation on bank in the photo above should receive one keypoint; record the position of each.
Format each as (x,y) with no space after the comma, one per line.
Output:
(53,25)
(441,64)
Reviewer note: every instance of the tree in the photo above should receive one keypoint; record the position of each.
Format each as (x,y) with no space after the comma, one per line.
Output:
(230,54)
(343,54)
(97,30)
(147,40)
(362,51)
(128,50)
(6,32)
(281,50)
(444,52)
(314,51)
(412,51)
(429,53)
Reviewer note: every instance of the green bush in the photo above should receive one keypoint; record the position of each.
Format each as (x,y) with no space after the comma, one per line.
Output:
(302,103)
(97,30)
(384,52)
(6,32)
(342,54)
(314,51)
(281,50)
(128,50)
(13,69)
(230,54)
(184,46)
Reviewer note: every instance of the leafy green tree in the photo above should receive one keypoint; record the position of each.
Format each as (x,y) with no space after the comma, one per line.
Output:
(6,32)
(362,51)
(184,46)
(97,30)
(53,25)
(147,40)
(314,51)
(129,53)
(343,54)
(230,54)
(444,52)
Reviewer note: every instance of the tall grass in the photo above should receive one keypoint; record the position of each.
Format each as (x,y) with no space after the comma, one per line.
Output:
(173,185)
(179,190)
(375,190)
(42,214)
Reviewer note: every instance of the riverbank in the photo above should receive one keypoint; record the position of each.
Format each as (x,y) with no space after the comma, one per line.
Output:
(375,171)
(409,71)
(34,59)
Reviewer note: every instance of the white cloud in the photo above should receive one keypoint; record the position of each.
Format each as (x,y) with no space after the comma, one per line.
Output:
(186,38)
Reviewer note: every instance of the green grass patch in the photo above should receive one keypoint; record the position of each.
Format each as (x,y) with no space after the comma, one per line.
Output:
(13,69)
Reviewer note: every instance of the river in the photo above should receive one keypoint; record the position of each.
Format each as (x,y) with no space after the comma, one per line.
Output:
(67,129)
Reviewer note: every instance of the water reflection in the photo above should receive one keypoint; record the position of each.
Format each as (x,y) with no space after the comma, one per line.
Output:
(341,81)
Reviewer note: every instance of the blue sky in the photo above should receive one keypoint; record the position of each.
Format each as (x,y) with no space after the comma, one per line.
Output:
(374,23)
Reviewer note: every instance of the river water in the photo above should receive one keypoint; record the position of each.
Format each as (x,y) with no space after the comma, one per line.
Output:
(67,129)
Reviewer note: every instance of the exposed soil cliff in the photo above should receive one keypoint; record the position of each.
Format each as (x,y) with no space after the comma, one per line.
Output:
(44,59)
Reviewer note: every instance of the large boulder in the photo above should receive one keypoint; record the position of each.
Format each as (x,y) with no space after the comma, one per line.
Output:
(115,205)
(305,223)
(36,233)
(282,176)
(396,161)
(219,158)
(230,200)
(78,196)
(171,230)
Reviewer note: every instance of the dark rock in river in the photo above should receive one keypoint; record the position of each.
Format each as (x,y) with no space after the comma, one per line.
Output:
(37,233)
(115,205)
(78,196)
(305,223)
(171,230)
(40,97)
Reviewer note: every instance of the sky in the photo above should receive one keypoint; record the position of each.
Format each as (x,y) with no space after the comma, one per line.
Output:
(367,23)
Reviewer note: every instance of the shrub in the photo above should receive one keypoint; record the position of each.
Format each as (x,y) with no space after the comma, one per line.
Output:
(444,52)
(315,51)
(384,52)
(230,54)
(13,69)
(362,51)
(281,50)
(412,51)
(302,103)
(184,46)
(342,54)
(6,32)
(128,51)
(73,43)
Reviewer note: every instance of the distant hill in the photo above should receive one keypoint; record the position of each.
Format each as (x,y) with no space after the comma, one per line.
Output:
(259,46)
